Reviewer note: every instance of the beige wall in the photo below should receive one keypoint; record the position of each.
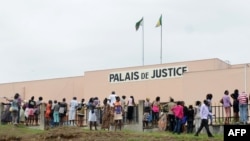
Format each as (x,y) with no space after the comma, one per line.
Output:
(203,76)
(54,89)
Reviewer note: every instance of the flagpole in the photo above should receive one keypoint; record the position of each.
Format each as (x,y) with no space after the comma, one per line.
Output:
(143,43)
(137,25)
(161,43)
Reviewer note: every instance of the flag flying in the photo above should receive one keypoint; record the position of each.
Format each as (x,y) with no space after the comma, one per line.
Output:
(138,24)
(159,23)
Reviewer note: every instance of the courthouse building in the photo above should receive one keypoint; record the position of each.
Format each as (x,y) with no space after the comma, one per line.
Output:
(188,81)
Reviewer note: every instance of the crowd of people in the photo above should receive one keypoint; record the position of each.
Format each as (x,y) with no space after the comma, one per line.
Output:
(20,111)
(192,118)
(72,113)
(111,112)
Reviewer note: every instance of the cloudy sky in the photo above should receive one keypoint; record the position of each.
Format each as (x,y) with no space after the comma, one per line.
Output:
(46,39)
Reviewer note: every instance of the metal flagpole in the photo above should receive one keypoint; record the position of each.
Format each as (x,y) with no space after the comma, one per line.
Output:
(161,43)
(143,42)
(137,25)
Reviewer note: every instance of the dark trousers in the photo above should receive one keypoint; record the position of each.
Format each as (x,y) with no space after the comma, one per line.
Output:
(18,115)
(177,128)
(190,126)
(204,123)
(171,122)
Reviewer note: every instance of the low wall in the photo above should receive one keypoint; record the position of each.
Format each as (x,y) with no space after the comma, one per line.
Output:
(215,129)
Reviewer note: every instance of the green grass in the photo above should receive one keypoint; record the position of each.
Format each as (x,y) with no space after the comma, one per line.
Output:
(10,131)
(20,130)
(180,137)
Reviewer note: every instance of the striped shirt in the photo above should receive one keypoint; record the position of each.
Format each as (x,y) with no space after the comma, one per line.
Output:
(243,98)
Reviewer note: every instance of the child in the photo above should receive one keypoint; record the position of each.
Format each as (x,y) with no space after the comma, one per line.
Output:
(146,119)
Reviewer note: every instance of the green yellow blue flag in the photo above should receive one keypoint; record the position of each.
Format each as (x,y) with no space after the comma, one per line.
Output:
(159,23)
(138,24)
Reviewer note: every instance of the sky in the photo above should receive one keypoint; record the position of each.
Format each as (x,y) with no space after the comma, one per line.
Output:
(48,39)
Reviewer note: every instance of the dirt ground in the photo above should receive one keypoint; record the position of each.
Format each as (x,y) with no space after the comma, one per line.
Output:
(72,134)
(80,134)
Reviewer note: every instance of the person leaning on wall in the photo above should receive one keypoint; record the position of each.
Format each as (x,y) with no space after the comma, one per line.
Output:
(227,106)
(14,109)
(234,96)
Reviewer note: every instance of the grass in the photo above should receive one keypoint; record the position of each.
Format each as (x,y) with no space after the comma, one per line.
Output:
(9,132)
(181,137)
(19,131)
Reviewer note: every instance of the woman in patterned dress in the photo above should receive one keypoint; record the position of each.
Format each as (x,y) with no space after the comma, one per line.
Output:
(118,113)
(106,115)
(48,113)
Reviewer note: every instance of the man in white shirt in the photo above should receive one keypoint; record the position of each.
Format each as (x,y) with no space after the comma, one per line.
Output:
(72,111)
(204,112)
(112,99)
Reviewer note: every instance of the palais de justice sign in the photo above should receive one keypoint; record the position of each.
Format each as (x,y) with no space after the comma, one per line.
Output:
(147,74)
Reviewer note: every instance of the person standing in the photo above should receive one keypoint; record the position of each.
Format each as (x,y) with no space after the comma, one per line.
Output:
(170,114)
(118,113)
(112,98)
(147,105)
(56,114)
(197,119)
(92,115)
(209,100)
(19,102)
(81,112)
(62,111)
(124,107)
(184,119)
(147,110)
(130,112)
(97,109)
(105,115)
(48,113)
(72,111)
(31,105)
(155,110)
(37,109)
(14,109)
(179,114)
(190,119)
(204,112)
(236,110)
(227,106)
(52,123)
(243,103)
(123,102)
